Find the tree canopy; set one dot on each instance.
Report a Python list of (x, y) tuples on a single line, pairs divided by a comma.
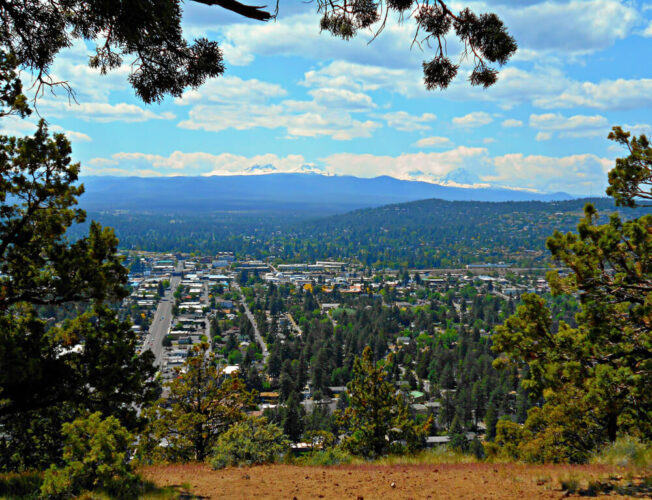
[(604, 364), (148, 36)]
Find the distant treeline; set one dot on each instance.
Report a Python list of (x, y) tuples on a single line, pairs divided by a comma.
[(427, 233)]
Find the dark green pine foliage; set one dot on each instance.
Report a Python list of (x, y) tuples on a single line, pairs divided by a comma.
[(377, 418), (595, 374), (49, 375)]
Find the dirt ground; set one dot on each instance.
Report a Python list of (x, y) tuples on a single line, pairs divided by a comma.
[(447, 481)]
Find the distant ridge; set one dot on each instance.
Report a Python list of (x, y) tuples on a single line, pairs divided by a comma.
[(312, 193)]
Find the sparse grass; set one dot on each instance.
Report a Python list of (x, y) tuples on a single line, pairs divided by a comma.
[(625, 452), (20, 485), (434, 456), (569, 484), (331, 456)]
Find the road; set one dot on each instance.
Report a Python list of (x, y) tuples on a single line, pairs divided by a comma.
[(294, 325), (162, 317), (252, 320)]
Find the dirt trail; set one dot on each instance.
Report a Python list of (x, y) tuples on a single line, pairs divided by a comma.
[(448, 481)]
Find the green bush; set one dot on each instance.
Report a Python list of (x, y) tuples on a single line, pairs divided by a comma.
[(24, 485), (330, 456), (625, 452), (96, 457), (252, 441)]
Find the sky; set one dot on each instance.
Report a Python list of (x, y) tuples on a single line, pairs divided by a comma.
[(293, 99)]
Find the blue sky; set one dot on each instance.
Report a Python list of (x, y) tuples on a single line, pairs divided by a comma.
[(295, 100)]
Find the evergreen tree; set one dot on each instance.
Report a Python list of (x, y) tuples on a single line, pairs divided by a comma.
[(293, 415), (52, 375), (606, 361), (376, 419), (202, 404)]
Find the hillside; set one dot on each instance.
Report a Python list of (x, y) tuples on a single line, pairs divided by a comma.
[(426, 233)]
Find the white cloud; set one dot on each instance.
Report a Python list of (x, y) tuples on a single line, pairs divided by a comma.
[(299, 35), (342, 98), (180, 163), (71, 134), (574, 174), (233, 103), (401, 120), (296, 117), (573, 126), (576, 26), (472, 120), (14, 126), (433, 142), (648, 31), (100, 111), (231, 89), (367, 77), (583, 173), (418, 166), (512, 123), (607, 94)]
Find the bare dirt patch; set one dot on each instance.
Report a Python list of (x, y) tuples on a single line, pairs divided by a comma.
[(446, 481)]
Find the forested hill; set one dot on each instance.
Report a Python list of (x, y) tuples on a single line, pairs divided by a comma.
[(428, 233), (437, 233)]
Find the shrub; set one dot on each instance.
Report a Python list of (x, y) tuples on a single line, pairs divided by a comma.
[(329, 456), (96, 457), (20, 485), (252, 441), (625, 452)]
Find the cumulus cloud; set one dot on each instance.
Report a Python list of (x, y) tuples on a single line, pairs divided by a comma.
[(434, 142), (583, 173), (648, 31), (230, 89), (101, 111), (14, 126), (576, 27), (233, 103), (573, 126), (575, 173), (608, 94), (512, 123), (472, 120), (199, 163), (401, 120)]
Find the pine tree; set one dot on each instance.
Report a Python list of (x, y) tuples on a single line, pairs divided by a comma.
[(202, 403), (377, 418)]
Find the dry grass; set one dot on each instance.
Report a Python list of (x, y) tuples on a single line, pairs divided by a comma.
[(419, 480)]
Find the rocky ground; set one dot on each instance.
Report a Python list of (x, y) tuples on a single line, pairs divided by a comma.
[(444, 481)]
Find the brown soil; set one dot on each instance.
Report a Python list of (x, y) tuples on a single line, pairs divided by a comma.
[(447, 481)]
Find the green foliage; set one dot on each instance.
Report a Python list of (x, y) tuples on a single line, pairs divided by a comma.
[(594, 377), (427, 233), (626, 451), (377, 418), (96, 456), (23, 485), (49, 375), (12, 99), (630, 182), (202, 404), (485, 34), (252, 441), (330, 456)]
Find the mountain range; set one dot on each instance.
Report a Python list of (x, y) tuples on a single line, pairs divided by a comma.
[(310, 193)]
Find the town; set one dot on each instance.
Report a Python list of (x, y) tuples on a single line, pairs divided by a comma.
[(291, 331)]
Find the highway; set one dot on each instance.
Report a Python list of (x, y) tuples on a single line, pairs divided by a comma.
[(162, 317), (252, 320)]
